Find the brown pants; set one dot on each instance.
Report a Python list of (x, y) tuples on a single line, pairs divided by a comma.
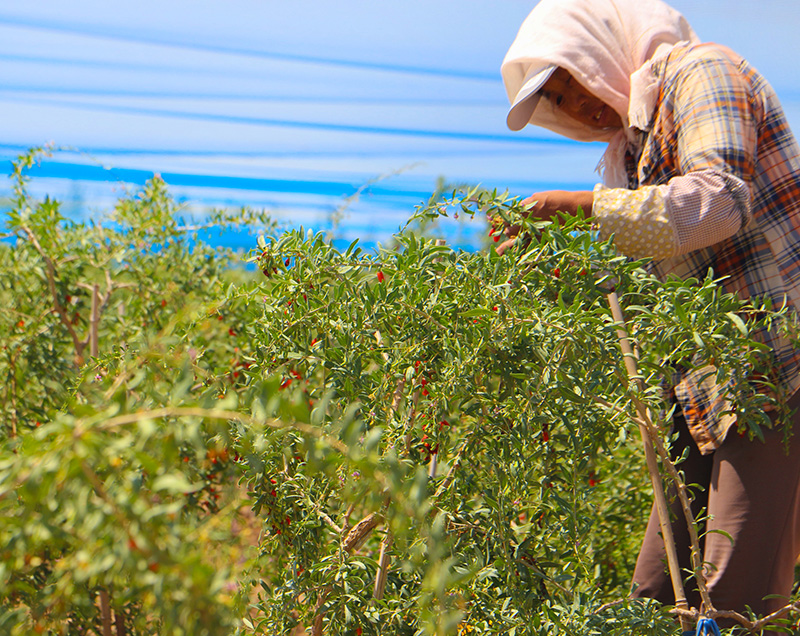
[(752, 492)]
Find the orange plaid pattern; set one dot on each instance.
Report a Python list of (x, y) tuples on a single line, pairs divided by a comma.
[(727, 166)]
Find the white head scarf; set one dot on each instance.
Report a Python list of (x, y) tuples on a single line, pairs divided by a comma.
[(608, 47)]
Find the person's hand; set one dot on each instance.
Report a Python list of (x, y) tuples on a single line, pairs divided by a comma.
[(543, 206)]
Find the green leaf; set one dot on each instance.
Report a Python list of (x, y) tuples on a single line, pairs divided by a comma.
[(738, 322), (175, 483)]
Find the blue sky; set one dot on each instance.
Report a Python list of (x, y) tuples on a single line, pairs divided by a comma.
[(293, 106)]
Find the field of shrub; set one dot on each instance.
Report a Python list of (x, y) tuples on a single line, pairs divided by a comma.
[(411, 440)]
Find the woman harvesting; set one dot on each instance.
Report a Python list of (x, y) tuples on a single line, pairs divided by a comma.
[(701, 173)]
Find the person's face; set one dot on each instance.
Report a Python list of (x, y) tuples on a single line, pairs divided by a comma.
[(569, 96)]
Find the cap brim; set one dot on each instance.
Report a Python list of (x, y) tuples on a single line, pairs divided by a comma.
[(527, 99)]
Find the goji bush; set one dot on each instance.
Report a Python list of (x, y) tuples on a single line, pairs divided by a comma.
[(410, 440)]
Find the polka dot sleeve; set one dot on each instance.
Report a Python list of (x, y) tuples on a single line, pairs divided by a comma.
[(689, 213), (637, 219)]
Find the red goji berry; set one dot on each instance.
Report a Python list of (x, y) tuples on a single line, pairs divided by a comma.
[(381, 277)]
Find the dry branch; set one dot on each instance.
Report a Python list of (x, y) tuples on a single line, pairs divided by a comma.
[(652, 465), (360, 532), (105, 612), (383, 565)]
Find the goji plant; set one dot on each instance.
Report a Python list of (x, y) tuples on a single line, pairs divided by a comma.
[(411, 440)]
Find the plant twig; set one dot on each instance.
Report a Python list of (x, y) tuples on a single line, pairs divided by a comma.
[(383, 565), (119, 623), (329, 521), (51, 285), (347, 514), (360, 532), (12, 367), (94, 322), (211, 414), (316, 627), (105, 612), (652, 465)]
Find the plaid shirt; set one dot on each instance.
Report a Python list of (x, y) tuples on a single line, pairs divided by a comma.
[(717, 185)]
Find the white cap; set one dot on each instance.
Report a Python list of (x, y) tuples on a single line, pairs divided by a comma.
[(527, 97)]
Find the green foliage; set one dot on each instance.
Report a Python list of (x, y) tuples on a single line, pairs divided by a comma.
[(413, 441)]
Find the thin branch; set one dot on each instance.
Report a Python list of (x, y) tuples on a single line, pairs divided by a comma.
[(119, 622), (360, 533), (105, 612), (316, 628), (212, 414), (97, 485), (383, 565), (609, 605), (652, 465), (94, 322), (12, 364), (347, 514), (451, 473), (329, 521), (753, 626), (51, 284)]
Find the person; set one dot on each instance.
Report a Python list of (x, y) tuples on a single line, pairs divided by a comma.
[(701, 172)]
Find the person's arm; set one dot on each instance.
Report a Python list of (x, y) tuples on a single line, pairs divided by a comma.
[(711, 201), (546, 205), (714, 122), (689, 213)]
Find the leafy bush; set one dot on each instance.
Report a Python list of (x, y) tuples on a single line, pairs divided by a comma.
[(412, 441)]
